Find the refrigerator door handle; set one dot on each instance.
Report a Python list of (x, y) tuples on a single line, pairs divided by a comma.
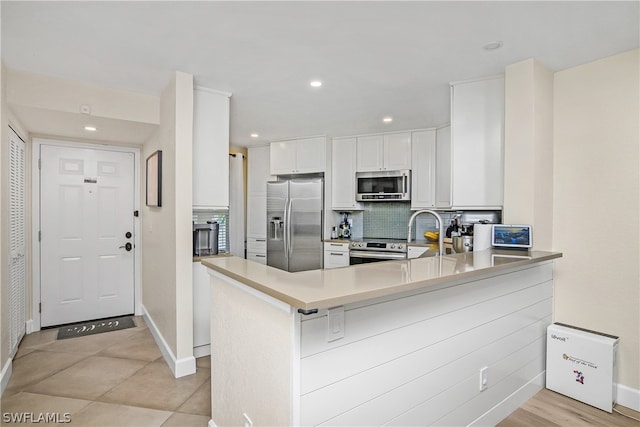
[(289, 229), (285, 226)]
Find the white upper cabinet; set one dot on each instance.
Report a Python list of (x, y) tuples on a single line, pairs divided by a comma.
[(258, 175), (384, 152), (423, 169), (443, 167), (370, 153), (477, 143), (308, 155), (397, 151), (210, 149), (343, 183)]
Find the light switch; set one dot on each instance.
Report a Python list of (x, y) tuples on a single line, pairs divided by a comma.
[(335, 323)]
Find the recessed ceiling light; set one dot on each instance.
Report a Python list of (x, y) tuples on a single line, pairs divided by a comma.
[(387, 119), (316, 83), (90, 128), (493, 45), (254, 135)]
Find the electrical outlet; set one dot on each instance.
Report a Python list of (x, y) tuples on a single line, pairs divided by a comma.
[(335, 323), (247, 421), (484, 378)]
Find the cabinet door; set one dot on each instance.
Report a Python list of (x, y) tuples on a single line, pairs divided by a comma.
[(311, 155), (258, 175), (258, 169), (343, 181), (477, 122), (423, 169), (443, 167), (282, 157), (257, 215), (397, 151), (370, 153), (210, 149)]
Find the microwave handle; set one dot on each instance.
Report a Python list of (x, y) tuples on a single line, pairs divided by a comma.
[(404, 184)]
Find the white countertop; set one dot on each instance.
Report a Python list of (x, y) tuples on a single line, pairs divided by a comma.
[(318, 289)]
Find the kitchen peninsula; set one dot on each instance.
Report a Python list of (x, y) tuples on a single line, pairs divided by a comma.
[(397, 342)]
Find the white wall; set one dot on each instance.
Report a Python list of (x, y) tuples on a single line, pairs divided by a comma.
[(596, 202), (166, 230)]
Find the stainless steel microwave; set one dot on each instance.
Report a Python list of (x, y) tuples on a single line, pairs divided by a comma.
[(383, 186)]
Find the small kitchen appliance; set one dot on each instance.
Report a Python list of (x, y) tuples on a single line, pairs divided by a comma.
[(205, 238), (462, 243)]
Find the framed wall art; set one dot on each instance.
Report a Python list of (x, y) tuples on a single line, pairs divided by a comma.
[(154, 179)]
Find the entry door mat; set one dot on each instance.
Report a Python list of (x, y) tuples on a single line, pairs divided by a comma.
[(95, 327)]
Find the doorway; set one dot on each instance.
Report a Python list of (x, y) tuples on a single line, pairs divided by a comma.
[(17, 240), (87, 232)]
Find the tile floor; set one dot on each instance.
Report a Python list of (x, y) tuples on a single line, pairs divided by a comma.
[(116, 378)]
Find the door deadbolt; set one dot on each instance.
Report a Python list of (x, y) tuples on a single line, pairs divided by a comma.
[(128, 235)]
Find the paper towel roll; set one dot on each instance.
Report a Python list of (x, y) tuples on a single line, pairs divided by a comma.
[(481, 236)]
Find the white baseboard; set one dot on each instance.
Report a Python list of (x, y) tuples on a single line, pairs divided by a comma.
[(211, 424), (201, 351), (5, 375), (503, 409), (31, 327), (628, 397), (179, 367)]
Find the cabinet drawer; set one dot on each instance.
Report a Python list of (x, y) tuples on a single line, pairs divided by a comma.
[(256, 244), (336, 247), (335, 259), (257, 257)]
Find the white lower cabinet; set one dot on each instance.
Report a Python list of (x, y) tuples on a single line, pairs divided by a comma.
[(201, 311), (336, 255), (257, 250)]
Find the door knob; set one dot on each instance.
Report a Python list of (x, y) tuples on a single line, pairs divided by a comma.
[(128, 246), (128, 235)]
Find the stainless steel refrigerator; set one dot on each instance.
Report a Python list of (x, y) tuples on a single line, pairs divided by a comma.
[(294, 224)]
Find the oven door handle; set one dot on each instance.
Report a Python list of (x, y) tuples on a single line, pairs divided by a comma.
[(377, 255)]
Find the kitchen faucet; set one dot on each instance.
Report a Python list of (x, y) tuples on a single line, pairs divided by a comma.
[(440, 225)]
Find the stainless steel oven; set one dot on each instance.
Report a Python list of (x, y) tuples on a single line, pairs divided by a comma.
[(375, 250)]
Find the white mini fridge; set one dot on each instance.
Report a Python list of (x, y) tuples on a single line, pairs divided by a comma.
[(581, 364)]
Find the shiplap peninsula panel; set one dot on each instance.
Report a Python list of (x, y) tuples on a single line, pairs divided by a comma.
[(385, 372), (412, 357)]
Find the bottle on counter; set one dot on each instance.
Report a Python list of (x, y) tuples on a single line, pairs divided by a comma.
[(334, 232)]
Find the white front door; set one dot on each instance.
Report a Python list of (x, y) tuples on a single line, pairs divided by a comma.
[(87, 253)]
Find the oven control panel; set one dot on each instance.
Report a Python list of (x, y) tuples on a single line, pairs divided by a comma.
[(378, 246)]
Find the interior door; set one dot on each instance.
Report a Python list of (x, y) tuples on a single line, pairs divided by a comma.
[(87, 253), (17, 241)]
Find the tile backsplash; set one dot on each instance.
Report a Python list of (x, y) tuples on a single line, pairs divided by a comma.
[(390, 219), (385, 220)]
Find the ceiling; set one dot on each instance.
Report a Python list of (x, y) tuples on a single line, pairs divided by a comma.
[(375, 59)]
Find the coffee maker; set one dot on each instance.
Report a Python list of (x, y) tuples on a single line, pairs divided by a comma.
[(205, 238)]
